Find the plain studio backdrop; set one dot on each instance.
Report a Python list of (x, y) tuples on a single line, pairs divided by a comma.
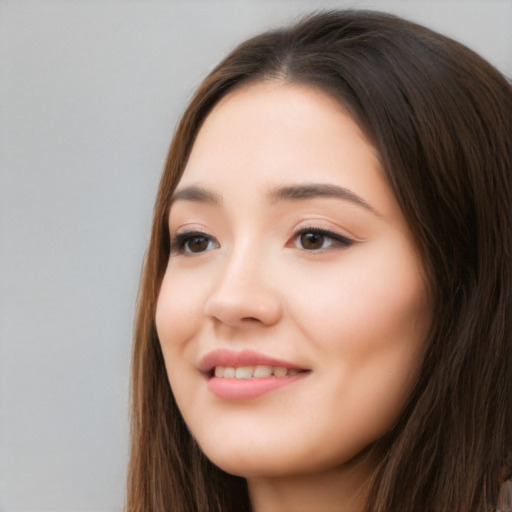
[(90, 92)]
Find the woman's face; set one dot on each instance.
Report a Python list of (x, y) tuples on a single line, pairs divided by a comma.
[(293, 311)]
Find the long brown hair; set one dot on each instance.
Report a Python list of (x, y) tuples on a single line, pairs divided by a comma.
[(441, 120)]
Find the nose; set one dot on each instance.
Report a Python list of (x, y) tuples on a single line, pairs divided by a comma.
[(243, 294)]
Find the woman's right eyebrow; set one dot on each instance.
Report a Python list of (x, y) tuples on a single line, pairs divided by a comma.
[(196, 193)]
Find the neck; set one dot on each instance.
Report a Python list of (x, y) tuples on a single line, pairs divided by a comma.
[(342, 489)]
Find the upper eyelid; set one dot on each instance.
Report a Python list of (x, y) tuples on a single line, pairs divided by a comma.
[(186, 228), (337, 237), (189, 231), (180, 235), (319, 225), (325, 231)]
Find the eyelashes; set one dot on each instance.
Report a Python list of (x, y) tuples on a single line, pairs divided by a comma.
[(310, 239), (192, 242), (316, 239)]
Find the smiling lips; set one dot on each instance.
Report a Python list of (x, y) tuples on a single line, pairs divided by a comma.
[(247, 374)]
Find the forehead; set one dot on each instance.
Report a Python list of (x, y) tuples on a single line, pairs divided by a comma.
[(271, 134)]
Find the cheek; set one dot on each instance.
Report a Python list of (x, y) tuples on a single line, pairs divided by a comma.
[(372, 300), (176, 317), (368, 319), (178, 305)]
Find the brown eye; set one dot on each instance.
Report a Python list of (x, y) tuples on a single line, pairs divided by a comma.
[(197, 243), (312, 240), (193, 243)]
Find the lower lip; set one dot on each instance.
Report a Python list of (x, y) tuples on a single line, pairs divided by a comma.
[(240, 389)]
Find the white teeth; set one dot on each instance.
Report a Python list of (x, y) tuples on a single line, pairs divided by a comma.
[(280, 372), (257, 372), (229, 372), (243, 372), (262, 371)]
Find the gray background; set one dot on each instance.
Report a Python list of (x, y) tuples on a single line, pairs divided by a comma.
[(90, 92)]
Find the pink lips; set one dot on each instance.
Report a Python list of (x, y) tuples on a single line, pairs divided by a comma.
[(235, 389)]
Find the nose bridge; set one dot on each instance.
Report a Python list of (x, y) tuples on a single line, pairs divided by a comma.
[(243, 263), (242, 290)]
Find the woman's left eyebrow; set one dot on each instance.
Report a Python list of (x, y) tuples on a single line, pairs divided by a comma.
[(312, 190)]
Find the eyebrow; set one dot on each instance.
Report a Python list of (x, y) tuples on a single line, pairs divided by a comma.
[(312, 190), (300, 192), (196, 194)]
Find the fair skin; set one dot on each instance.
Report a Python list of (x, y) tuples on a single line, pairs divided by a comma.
[(290, 252)]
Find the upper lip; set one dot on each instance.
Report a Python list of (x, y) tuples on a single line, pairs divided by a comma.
[(225, 357)]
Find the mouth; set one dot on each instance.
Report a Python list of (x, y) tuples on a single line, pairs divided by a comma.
[(253, 372), (247, 374)]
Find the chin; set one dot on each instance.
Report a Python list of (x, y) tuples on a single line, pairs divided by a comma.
[(270, 461), (262, 468), (245, 461)]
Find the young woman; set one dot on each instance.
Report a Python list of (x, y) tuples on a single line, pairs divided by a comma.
[(324, 317)]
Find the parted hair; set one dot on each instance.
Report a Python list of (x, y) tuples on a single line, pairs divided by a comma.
[(440, 118)]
